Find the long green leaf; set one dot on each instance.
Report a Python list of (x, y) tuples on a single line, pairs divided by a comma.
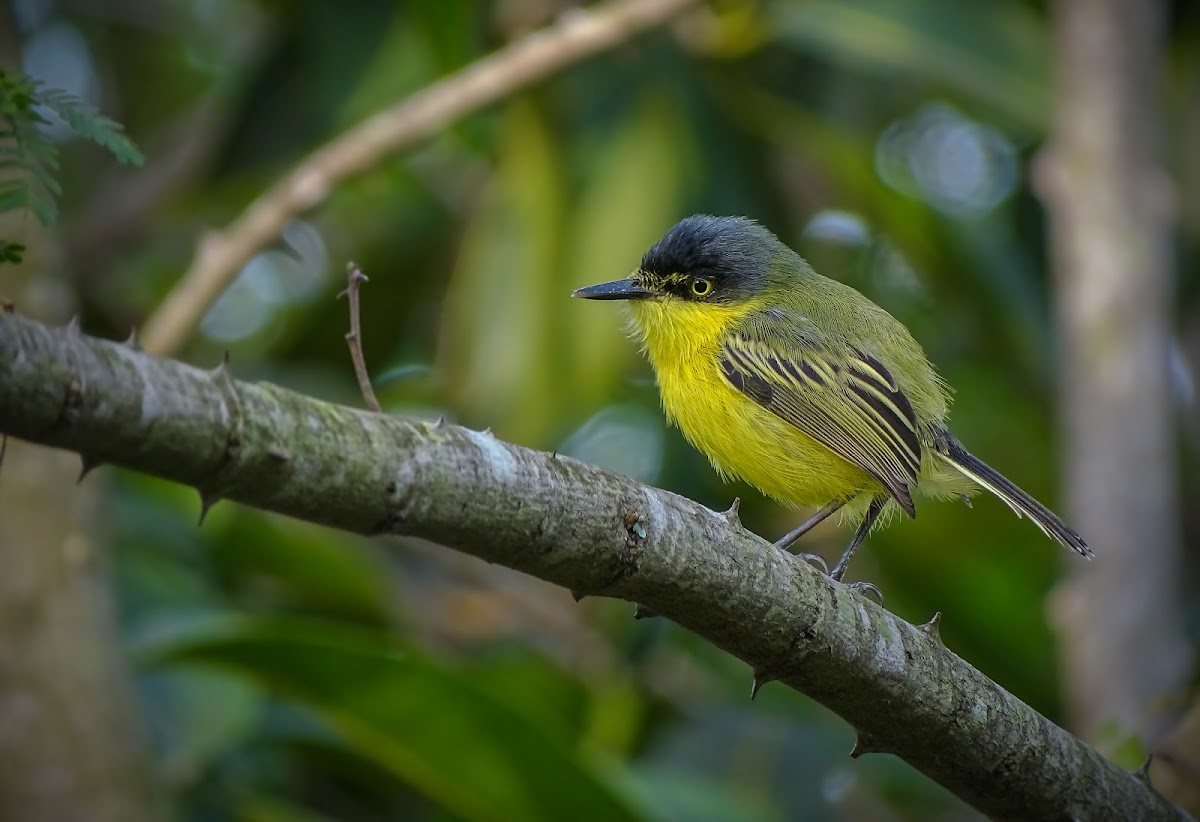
[(435, 729)]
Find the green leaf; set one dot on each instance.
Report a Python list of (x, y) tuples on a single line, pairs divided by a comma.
[(209, 715), (42, 174), (14, 194), (11, 252), (87, 122), (440, 731), (32, 185), (303, 567), (30, 159)]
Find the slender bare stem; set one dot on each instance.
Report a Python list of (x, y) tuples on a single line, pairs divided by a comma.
[(354, 280)]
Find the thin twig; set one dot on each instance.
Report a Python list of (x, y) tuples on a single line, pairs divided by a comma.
[(354, 279), (221, 254)]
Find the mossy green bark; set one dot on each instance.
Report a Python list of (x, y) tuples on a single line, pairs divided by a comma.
[(588, 530)]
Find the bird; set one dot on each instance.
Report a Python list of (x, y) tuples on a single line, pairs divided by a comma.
[(799, 384)]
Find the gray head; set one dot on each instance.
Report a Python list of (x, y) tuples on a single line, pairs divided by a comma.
[(702, 258)]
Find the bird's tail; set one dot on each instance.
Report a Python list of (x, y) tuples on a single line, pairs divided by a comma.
[(988, 477)]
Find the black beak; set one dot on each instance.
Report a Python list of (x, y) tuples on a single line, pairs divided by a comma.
[(625, 289)]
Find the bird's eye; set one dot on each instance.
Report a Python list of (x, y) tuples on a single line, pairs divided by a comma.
[(702, 288)]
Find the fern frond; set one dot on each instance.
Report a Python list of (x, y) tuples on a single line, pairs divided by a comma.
[(29, 161), (86, 121), (14, 194), (34, 159)]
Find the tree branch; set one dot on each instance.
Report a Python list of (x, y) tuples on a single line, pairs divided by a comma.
[(573, 524), (578, 35)]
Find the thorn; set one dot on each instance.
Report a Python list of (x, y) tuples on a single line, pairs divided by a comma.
[(966, 500), (206, 504), (132, 340), (74, 327), (760, 679), (1142, 774), (731, 516), (554, 454), (220, 373), (441, 421), (863, 744), (86, 467), (487, 432), (642, 612), (932, 628), (577, 595)]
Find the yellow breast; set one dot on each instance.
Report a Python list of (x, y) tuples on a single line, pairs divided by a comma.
[(740, 437)]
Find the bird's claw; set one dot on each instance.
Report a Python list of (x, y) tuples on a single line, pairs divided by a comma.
[(836, 575), (816, 560), (866, 588)]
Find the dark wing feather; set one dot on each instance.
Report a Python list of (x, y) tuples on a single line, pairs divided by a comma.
[(849, 403)]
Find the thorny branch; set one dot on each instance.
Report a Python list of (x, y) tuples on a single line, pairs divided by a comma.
[(577, 35), (577, 526)]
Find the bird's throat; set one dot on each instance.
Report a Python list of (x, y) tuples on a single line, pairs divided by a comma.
[(675, 332)]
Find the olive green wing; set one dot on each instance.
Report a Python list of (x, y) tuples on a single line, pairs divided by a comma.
[(848, 402)]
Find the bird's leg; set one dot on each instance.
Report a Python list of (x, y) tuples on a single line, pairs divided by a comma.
[(873, 513), (785, 542)]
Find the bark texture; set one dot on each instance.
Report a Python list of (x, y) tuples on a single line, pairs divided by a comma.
[(1119, 618), (575, 525)]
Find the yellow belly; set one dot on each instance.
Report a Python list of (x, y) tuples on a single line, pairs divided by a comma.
[(740, 437), (746, 441)]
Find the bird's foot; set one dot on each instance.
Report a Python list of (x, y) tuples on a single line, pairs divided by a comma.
[(836, 576), (815, 559), (862, 587), (865, 588)]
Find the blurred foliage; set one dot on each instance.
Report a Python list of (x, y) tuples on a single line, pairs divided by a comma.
[(293, 673), (29, 160)]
